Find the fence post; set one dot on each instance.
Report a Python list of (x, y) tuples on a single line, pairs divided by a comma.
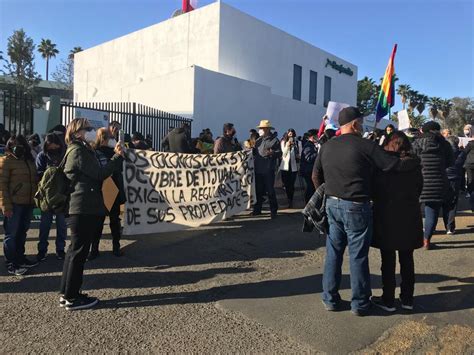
[(134, 118)]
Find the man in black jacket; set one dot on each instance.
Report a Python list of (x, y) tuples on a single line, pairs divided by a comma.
[(179, 140), (436, 156)]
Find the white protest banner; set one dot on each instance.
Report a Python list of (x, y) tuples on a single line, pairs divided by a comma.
[(333, 112), (97, 119), (463, 141), (173, 191), (403, 120)]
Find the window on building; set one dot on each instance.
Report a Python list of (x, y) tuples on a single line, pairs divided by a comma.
[(327, 90), (297, 73), (313, 86)]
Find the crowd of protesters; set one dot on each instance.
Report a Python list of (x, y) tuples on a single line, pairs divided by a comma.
[(371, 182)]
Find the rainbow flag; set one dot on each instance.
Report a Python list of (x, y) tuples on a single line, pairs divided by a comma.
[(387, 91)]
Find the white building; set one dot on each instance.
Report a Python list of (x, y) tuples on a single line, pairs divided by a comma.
[(215, 65)]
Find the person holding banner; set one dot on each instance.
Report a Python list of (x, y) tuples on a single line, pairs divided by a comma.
[(227, 143), (86, 207), (266, 152)]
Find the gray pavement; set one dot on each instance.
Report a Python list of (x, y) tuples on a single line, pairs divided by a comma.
[(246, 285)]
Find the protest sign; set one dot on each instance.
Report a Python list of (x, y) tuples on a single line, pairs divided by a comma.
[(109, 192), (463, 141), (97, 119), (333, 112), (403, 120), (173, 191)]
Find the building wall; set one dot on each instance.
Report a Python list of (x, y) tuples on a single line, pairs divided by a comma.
[(222, 98), (253, 50), (148, 54)]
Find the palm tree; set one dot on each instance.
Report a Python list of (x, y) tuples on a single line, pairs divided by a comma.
[(421, 103), (402, 91), (434, 103), (445, 108), (74, 51), (47, 50), (412, 99)]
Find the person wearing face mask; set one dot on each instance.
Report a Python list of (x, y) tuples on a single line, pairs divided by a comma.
[(468, 131), (227, 143), (104, 147), (346, 165), (51, 155), (86, 207), (18, 185), (266, 152), (291, 155)]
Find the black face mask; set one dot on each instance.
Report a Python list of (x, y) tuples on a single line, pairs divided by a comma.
[(55, 151), (18, 151)]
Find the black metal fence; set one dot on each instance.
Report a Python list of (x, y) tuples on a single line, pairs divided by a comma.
[(132, 116), (17, 112)]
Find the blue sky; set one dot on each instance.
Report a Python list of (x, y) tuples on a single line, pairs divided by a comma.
[(435, 38)]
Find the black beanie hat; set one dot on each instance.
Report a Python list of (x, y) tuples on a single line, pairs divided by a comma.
[(348, 115), (431, 126)]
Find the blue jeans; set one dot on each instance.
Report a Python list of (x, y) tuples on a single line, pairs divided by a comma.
[(431, 218), (45, 227), (16, 228), (350, 224)]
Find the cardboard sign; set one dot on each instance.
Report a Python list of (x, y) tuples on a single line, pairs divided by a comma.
[(173, 191), (109, 192)]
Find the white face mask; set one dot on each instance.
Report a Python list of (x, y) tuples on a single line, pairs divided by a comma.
[(261, 132), (112, 143), (90, 136)]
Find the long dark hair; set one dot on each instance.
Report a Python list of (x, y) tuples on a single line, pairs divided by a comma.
[(285, 135), (398, 142), (51, 138), (19, 140)]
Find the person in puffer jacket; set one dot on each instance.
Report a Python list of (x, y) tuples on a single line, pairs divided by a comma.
[(436, 156), (18, 185)]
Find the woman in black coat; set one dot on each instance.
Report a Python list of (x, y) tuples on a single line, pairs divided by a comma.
[(398, 224)]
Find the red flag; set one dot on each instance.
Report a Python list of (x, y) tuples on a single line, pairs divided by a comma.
[(322, 127), (189, 5)]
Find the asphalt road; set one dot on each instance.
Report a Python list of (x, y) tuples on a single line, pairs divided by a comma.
[(247, 285)]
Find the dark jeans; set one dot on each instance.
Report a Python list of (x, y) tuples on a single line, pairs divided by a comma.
[(45, 227), (350, 224), (289, 178), (16, 228), (265, 183), (83, 228), (450, 208), (114, 218), (431, 218), (470, 186), (407, 273), (309, 187)]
